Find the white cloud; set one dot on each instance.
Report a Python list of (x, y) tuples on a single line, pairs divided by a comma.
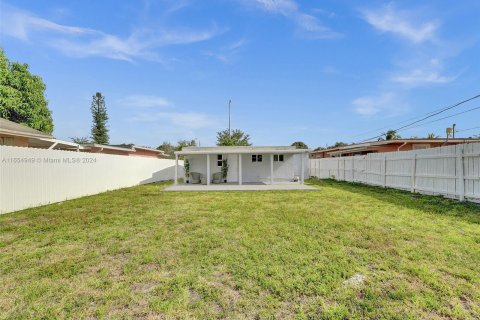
[(424, 74), (401, 23), (226, 53), (137, 100), (387, 104), (84, 42), (419, 77), (308, 25)]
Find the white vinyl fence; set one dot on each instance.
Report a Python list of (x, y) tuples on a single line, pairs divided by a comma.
[(31, 177), (451, 171)]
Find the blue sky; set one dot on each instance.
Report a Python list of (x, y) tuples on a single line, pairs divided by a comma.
[(316, 71)]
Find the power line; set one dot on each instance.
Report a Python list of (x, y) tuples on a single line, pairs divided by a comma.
[(439, 119), (404, 121), (429, 115), (468, 129)]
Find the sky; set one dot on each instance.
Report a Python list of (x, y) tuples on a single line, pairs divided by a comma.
[(312, 71)]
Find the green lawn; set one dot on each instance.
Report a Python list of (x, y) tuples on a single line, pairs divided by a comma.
[(346, 251)]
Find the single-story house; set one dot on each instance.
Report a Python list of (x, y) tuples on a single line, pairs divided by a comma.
[(122, 149), (387, 146), (19, 135), (246, 164)]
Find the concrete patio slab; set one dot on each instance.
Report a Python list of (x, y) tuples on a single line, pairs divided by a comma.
[(236, 187)]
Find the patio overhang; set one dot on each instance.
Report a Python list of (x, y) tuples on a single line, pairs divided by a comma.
[(239, 151)]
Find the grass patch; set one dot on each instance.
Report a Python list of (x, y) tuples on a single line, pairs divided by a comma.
[(346, 251)]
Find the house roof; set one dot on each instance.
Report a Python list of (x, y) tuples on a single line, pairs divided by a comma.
[(17, 129), (240, 149), (105, 146), (135, 147), (363, 146)]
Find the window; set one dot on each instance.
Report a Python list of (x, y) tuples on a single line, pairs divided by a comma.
[(6, 141), (256, 158), (278, 157), (219, 160)]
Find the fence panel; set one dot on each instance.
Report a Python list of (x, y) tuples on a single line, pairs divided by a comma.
[(31, 177), (452, 171)]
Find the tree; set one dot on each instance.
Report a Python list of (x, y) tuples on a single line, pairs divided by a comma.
[(235, 138), (185, 143), (335, 145), (100, 118), (166, 147), (392, 135), (299, 145), (22, 96), (80, 140), (432, 136)]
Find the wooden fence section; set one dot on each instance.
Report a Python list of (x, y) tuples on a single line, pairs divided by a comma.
[(451, 171), (32, 177)]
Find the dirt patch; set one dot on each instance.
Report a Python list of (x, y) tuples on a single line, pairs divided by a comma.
[(224, 282), (356, 280), (194, 296), (143, 287)]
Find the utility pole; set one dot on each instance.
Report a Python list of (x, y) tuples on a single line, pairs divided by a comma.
[(229, 108), (453, 131)]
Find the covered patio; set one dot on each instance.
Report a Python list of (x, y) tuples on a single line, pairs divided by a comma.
[(254, 167), (239, 187)]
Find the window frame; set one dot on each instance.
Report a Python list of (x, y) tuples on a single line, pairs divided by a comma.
[(257, 158)]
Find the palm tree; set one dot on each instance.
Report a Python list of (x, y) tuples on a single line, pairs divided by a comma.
[(391, 135), (432, 136)]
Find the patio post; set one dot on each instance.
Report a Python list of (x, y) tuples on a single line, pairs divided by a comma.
[(240, 168), (271, 168), (302, 176), (176, 169), (208, 169)]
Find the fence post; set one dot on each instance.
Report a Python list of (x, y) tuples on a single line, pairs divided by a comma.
[(414, 167), (384, 170), (460, 173), (353, 168), (338, 169)]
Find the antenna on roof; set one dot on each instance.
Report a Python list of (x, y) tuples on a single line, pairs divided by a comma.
[(229, 108)]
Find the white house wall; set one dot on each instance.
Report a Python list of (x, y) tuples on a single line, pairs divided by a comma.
[(252, 171)]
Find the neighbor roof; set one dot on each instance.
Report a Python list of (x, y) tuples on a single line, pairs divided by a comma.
[(240, 149), (17, 129), (365, 145)]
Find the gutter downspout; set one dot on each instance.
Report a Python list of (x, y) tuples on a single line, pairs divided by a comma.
[(53, 146), (403, 144)]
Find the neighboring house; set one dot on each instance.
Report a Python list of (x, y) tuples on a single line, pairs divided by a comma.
[(123, 149), (387, 146), (19, 135), (247, 164)]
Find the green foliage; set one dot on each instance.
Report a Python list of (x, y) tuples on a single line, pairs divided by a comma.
[(22, 96), (169, 148), (142, 252), (80, 140), (335, 145), (99, 119), (186, 167), (166, 147), (300, 145), (392, 135), (225, 167), (185, 143), (235, 138), (432, 136)]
